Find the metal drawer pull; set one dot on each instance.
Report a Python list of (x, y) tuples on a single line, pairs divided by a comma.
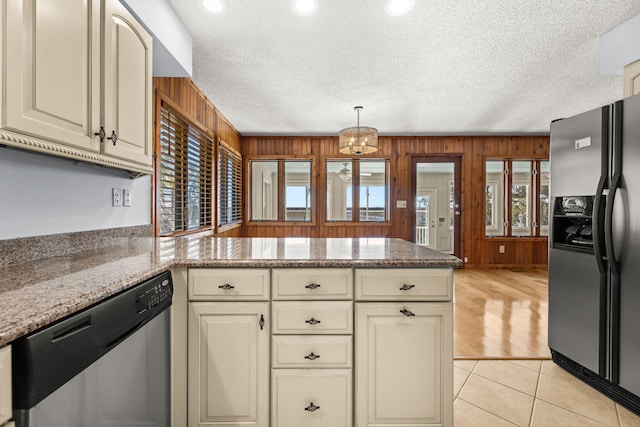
[(226, 287), (312, 321), (261, 322), (311, 407), (313, 286), (406, 312), (312, 356), (406, 287)]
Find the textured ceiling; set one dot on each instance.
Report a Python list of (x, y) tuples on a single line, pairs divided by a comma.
[(447, 67)]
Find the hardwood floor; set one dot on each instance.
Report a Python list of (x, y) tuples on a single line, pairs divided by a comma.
[(500, 314)]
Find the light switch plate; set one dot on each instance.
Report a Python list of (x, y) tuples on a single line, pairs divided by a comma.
[(126, 197), (401, 204), (116, 197)]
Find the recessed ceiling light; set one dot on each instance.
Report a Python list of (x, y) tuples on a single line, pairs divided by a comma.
[(305, 7), (215, 6), (399, 7)]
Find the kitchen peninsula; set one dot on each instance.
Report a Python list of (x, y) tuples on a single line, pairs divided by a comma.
[(373, 310)]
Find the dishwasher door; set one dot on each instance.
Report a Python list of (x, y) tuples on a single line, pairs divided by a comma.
[(128, 385)]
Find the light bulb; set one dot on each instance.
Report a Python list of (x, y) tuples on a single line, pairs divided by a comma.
[(215, 6), (305, 7), (399, 7)]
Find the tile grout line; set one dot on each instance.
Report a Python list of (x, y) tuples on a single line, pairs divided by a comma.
[(535, 395), (488, 412)]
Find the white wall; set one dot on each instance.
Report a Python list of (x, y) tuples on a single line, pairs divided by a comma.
[(42, 195)]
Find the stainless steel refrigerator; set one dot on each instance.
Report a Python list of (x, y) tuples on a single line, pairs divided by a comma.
[(594, 249)]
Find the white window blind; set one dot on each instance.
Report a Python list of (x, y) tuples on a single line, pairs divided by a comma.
[(229, 186), (186, 176)]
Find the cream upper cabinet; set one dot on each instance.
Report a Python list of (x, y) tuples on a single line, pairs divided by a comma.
[(72, 68), (228, 364), (52, 69), (127, 86), (404, 364)]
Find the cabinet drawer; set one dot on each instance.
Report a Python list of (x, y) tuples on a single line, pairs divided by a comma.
[(312, 283), (312, 317), (412, 284), (311, 351), (5, 384), (228, 284), (311, 397)]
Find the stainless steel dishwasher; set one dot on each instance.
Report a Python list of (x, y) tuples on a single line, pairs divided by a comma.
[(108, 365)]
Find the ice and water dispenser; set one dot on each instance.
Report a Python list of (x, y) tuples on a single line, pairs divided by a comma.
[(572, 223)]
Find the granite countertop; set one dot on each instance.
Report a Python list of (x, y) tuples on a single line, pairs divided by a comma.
[(36, 293)]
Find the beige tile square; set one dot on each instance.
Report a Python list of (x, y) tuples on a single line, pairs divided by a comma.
[(509, 374), (627, 418), (459, 378), (550, 368), (534, 365), (467, 365), (548, 415), (505, 402), (468, 415), (565, 391)]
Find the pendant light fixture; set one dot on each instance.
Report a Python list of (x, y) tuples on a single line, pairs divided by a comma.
[(358, 140)]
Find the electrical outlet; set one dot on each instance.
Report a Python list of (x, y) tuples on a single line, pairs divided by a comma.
[(501, 249), (126, 197), (116, 197)]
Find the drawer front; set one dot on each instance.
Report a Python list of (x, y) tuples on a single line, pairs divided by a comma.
[(228, 284), (5, 384), (312, 283), (412, 284), (311, 397), (312, 317), (311, 351)]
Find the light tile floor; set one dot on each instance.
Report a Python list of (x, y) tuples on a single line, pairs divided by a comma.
[(529, 393)]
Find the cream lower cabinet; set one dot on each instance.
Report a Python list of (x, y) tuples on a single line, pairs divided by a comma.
[(5, 386), (403, 349), (311, 379), (276, 347), (228, 348)]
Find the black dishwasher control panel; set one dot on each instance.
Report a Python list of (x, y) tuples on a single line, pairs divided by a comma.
[(153, 295)]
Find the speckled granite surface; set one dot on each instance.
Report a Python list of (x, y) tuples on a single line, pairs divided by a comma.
[(36, 293)]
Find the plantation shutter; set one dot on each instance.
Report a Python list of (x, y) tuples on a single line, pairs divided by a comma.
[(229, 186), (186, 176)]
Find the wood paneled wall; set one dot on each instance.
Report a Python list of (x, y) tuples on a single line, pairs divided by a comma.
[(473, 151), (186, 97)]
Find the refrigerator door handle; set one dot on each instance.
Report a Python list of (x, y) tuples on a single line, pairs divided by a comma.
[(599, 202), (615, 185)]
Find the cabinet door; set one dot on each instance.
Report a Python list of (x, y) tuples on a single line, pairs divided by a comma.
[(228, 372), (127, 99), (52, 63), (404, 364), (5, 384), (311, 397)]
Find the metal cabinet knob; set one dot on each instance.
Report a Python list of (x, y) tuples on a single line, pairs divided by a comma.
[(226, 287), (312, 321), (407, 287), (113, 137), (313, 286), (312, 356), (407, 312), (311, 407)]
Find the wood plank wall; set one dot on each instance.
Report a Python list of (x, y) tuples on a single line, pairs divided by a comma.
[(473, 151), (475, 247), (187, 98)]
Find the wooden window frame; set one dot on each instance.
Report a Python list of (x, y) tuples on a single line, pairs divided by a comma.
[(355, 194), (280, 221), (534, 197), (236, 187), (207, 206)]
